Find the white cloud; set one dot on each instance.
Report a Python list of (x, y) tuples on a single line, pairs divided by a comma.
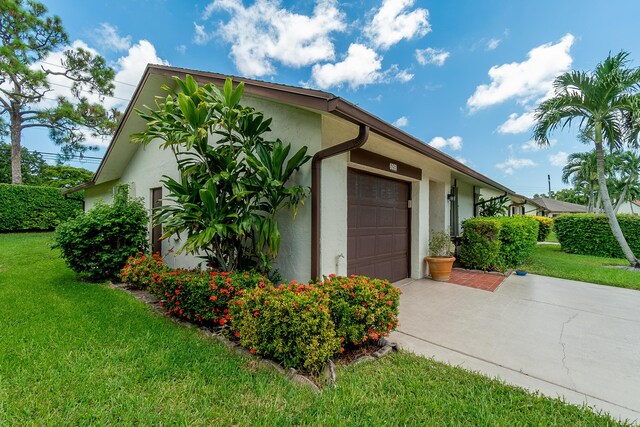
[(510, 165), (182, 49), (401, 122), (462, 160), (393, 22), (518, 123), (361, 66), (525, 81), (433, 56), (493, 44), (108, 38), (534, 146), (264, 32), (404, 76), (559, 158), (454, 143), (200, 35), (129, 68)]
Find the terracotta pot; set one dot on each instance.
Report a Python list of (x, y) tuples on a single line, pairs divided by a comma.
[(440, 267)]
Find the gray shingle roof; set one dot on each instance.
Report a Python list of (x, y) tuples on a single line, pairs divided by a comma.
[(557, 206)]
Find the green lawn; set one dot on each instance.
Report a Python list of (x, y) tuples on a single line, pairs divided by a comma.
[(552, 237), (78, 353), (549, 260)]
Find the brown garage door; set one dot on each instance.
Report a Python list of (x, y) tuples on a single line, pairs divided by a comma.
[(378, 226)]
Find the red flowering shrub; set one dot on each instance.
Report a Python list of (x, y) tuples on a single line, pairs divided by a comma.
[(290, 323), (139, 270), (361, 308)]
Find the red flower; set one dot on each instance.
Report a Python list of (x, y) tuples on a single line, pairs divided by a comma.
[(252, 351), (213, 297), (237, 334)]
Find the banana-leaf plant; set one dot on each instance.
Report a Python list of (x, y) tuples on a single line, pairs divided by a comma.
[(233, 178)]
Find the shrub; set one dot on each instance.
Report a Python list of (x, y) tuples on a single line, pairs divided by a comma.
[(518, 237), (497, 243), (590, 234), (139, 270), (25, 208), (290, 323), (544, 227), (202, 296), (480, 245), (361, 308), (98, 243)]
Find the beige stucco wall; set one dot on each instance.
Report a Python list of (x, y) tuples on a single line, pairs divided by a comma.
[(465, 202), (629, 208)]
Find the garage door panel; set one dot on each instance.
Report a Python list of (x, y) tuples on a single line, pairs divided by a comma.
[(378, 226)]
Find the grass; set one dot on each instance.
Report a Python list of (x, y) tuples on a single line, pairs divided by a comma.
[(552, 237), (549, 260), (79, 353)]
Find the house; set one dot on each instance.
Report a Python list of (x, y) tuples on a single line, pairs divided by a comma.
[(552, 208), (377, 192), (631, 207)]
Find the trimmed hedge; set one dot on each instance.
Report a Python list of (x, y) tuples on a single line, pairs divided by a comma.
[(590, 234), (497, 243), (29, 208), (544, 226)]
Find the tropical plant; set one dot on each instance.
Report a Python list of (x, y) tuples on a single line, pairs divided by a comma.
[(233, 180), (493, 207), (629, 181), (29, 35), (606, 104)]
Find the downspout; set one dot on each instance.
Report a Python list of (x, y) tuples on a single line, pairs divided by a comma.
[(316, 174)]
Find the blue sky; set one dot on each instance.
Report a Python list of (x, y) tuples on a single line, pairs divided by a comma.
[(460, 75)]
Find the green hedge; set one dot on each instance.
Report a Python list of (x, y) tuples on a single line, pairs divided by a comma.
[(497, 243), (590, 234), (545, 225), (25, 208)]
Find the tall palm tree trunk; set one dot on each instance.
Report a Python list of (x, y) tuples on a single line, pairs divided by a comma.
[(606, 200)]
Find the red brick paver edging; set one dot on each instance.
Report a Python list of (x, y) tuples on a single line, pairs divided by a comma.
[(477, 279)]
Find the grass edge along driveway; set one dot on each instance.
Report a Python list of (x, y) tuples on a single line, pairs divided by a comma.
[(550, 260), (80, 353)]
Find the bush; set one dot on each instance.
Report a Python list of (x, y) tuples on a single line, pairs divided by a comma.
[(544, 227), (590, 234), (361, 308), (497, 243), (26, 208), (518, 237), (140, 270), (290, 323), (98, 243), (480, 245), (203, 296)]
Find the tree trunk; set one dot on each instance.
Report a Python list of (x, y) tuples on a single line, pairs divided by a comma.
[(623, 196), (16, 155), (604, 195)]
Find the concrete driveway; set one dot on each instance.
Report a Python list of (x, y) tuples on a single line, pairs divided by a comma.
[(560, 337)]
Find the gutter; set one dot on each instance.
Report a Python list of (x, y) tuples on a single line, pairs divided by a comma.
[(316, 184), (78, 188)]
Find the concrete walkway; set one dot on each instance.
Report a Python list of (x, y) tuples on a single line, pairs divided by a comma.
[(560, 337)]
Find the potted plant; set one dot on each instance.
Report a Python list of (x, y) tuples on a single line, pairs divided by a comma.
[(440, 259)]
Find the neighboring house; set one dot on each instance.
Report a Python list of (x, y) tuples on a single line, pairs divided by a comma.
[(552, 208), (377, 191), (631, 207), (522, 205)]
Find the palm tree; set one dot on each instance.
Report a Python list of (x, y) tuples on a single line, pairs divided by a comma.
[(606, 104), (581, 171), (629, 176)]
